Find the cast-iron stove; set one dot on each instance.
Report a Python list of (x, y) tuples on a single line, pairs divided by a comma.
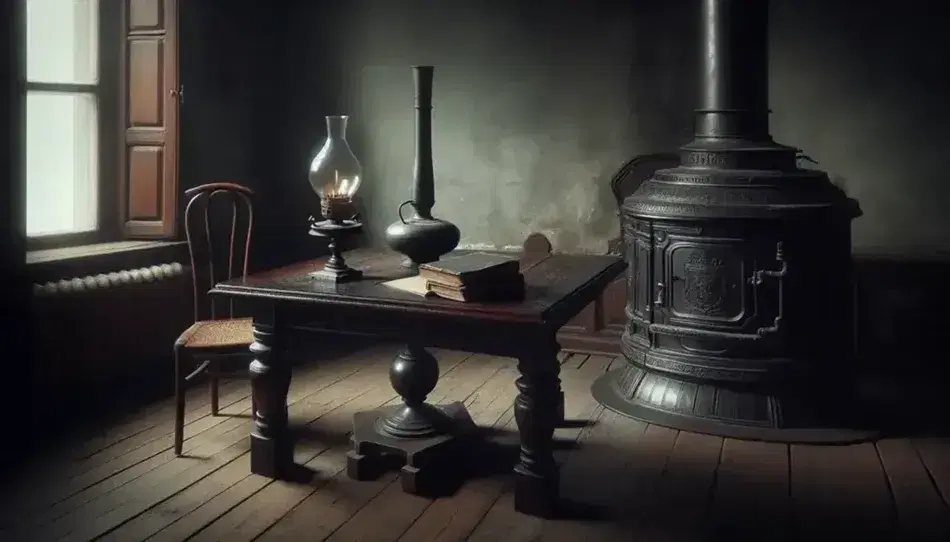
[(739, 300)]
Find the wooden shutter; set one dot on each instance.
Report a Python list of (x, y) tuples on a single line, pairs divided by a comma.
[(148, 193)]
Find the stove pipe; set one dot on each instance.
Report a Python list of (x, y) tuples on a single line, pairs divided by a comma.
[(735, 64), (739, 268)]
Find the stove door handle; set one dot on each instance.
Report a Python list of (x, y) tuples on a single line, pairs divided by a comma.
[(660, 295), (758, 276)]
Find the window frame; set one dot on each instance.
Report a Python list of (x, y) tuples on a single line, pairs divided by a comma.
[(105, 230), (111, 94)]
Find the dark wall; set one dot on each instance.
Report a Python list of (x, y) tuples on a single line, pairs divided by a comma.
[(14, 329), (230, 116), (538, 103), (862, 90), (255, 97)]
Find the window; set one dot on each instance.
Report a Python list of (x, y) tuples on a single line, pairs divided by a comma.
[(62, 117), (101, 120)]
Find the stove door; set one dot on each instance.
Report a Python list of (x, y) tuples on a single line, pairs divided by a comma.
[(706, 283), (640, 255), (717, 289)]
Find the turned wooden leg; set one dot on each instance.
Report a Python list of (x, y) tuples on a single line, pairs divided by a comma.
[(413, 375), (538, 409), (271, 447)]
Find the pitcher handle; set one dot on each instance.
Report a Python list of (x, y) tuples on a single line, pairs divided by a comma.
[(401, 206)]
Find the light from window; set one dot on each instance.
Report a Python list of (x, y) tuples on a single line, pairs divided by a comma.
[(62, 72)]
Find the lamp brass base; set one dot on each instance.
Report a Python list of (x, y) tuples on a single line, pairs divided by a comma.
[(346, 274), (335, 270)]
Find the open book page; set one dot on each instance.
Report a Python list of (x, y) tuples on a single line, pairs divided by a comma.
[(413, 285)]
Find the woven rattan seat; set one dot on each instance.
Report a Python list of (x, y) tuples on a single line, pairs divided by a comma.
[(218, 334)]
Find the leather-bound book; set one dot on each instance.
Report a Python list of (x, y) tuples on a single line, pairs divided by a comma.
[(511, 289), (472, 268)]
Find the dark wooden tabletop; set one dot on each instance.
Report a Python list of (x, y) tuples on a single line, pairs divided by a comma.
[(555, 285)]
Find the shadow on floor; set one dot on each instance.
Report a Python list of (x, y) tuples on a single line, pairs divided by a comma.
[(62, 420)]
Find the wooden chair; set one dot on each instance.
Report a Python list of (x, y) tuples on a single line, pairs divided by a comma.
[(216, 333), (638, 170)]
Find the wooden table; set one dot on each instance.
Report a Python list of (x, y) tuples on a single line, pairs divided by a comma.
[(558, 287)]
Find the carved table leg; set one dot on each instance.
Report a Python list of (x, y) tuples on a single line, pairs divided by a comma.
[(271, 445), (538, 410), (427, 436)]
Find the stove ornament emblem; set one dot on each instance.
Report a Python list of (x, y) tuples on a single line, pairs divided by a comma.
[(705, 289)]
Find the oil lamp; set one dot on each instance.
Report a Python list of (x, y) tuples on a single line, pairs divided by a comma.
[(335, 175)]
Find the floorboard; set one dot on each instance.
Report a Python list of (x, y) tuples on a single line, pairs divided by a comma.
[(840, 489), (921, 512), (626, 480), (751, 495)]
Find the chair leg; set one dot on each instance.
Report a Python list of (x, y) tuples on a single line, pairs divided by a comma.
[(213, 372), (180, 385)]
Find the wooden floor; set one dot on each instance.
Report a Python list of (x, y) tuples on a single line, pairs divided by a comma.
[(650, 483)]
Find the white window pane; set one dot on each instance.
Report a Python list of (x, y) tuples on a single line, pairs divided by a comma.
[(62, 41), (61, 163)]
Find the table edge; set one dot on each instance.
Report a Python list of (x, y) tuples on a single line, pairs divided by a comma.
[(544, 318)]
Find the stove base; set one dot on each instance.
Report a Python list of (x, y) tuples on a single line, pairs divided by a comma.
[(715, 409)]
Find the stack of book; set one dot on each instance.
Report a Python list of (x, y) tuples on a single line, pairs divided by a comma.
[(475, 277)]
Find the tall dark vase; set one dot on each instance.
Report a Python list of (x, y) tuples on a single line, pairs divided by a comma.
[(419, 236)]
